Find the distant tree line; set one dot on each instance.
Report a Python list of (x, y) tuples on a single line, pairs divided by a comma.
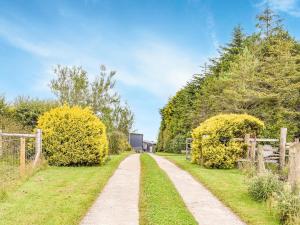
[(257, 74), (72, 87)]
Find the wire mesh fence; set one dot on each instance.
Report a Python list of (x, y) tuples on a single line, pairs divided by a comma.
[(19, 154)]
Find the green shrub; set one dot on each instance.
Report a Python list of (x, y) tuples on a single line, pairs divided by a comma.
[(10, 125), (212, 141), (27, 110), (262, 187), (248, 169), (3, 194), (73, 136), (288, 206), (118, 142), (177, 144)]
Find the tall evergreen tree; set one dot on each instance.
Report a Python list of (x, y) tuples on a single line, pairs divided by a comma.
[(257, 74), (229, 52), (268, 23)]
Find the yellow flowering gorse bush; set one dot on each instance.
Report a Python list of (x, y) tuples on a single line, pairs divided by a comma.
[(73, 136), (212, 141)]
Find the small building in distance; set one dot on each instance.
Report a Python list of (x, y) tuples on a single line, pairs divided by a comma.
[(136, 141), (149, 146)]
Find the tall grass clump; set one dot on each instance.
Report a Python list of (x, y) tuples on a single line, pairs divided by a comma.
[(262, 187), (288, 207)]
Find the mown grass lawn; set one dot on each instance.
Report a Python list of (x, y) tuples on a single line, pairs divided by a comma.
[(56, 195), (160, 203), (231, 188)]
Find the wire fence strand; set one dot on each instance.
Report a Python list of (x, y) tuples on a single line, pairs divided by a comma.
[(10, 161)]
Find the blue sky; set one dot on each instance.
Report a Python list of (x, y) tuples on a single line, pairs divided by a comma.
[(155, 45)]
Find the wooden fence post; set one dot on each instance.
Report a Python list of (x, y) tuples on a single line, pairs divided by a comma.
[(247, 142), (260, 160), (188, 143), (38, 146), (282, 149), (1, 146), (253, 150), (22, 157), (294, 167)]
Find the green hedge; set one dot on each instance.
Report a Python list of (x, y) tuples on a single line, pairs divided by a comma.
[(118, 142)]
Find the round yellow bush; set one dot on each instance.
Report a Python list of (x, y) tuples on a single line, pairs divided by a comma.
[(212, 144), (73, 136)]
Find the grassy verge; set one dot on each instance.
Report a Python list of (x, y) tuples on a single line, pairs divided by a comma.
[(56, 195), (9, 174), (160, 203), (230, 187)]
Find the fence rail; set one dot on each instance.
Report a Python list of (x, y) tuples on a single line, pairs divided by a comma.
[(19, 154), (261, 150), (257, 139), (278, 154), (18, 135)]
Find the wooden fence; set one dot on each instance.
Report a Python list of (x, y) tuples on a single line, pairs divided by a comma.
[(188, 148), (17, 142), (294, 167), (273, 150), (268, 150), (262, 150)]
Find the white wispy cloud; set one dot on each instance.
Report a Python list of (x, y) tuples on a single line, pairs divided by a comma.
[(13, 35), (287, 6), (159, 67), (150, 63), (210, 20), (211, 28)]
